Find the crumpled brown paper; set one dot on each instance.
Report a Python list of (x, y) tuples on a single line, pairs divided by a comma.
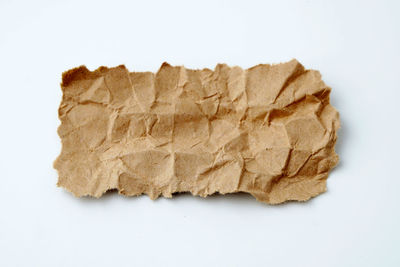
[(268, 131)]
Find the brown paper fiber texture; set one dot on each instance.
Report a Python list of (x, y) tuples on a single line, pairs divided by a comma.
[(269, 131)]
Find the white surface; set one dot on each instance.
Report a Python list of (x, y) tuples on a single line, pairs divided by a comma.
[(355, 45)]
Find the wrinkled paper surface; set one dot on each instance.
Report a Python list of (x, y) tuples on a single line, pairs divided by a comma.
[(268, 130)]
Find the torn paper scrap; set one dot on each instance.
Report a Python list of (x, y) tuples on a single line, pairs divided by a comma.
[(269, 131)]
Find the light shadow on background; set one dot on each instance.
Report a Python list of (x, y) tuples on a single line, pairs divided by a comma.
[(234, 199)]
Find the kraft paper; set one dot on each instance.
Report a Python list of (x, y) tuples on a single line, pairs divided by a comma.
[(269, 131)]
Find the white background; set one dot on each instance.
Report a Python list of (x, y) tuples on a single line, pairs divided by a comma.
[(355, 45)]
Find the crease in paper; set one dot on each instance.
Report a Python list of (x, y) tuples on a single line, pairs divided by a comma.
[(269, 131)]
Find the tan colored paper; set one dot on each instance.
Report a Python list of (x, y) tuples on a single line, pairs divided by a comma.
[(268, 131)]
